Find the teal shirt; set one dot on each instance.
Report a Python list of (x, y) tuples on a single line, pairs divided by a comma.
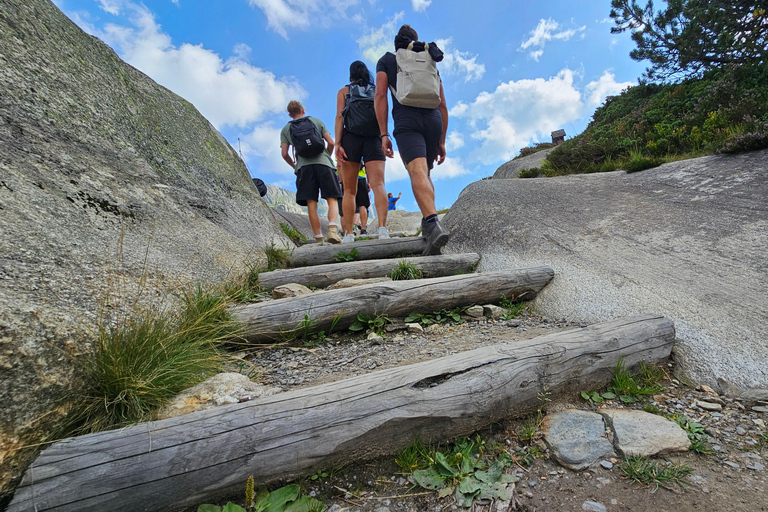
[(323, 158)]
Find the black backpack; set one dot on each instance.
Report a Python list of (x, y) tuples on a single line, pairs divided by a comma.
[(262, 188), (359, 112), (306, 138)]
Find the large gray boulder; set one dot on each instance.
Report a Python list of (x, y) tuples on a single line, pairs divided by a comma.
[(401, 221), (687, 240), (105, 178), (512, 168)]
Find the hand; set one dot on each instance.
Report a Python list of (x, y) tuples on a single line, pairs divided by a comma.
[(386, 146), (441, 153), (341, 155)]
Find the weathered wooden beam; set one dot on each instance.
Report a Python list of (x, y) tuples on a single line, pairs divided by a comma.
[(321, 276), (180, 462), (321, 254), (272, 320)]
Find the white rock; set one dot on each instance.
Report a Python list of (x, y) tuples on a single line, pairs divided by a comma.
[(709, 406), (493, 311), (475, 311), (593, 506), (414, 328)]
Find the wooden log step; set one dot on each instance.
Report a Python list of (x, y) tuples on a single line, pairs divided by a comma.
[(183, 461), (325, 275), (322, 254), (271, 320)]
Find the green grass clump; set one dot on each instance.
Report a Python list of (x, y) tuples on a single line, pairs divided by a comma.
[(514, 309), (697, 435), (142, 359), (648, 472), (529, 173), (293, 234), (404, 271), (415, 456), (276, 257)]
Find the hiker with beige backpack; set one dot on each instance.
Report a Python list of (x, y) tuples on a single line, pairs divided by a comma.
[(420, 115)]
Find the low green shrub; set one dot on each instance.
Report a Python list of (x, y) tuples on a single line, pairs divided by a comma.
[(293, 234), (405, 270)]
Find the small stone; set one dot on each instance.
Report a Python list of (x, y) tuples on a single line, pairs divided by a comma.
[(495, 312), (741, 431), (732, 465), (475, 311), (532, 483), (401, 481), (414, 328), (290, 290), (513, 323), (594, 506), (614, 501), (709, 406), (375, 339), (707, 389), (335, 508), (529, 495), (705, 490), (760, 423), (604, 481), (760, 408), (756, 467), (382, 509), (434, 328), (606, 464)]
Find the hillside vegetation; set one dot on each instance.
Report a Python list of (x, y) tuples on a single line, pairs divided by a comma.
[(724, 111)]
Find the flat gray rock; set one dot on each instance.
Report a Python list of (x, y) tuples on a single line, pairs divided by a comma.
[(577, 438), (642, 434), (512, 168), (686, 240)]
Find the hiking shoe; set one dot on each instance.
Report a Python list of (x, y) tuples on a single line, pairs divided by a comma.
[(436, 236), (333, 235), (423, 228), (363, 231), (319, 239), (348, 239), (383, 233)]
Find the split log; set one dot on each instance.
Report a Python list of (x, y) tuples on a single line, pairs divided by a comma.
[(325, 275), (266, 321), (183, 461), (317, 254)]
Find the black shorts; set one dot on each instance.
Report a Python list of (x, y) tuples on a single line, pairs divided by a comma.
[(418, 133), (313, 178), (362, 198), (361, 148)]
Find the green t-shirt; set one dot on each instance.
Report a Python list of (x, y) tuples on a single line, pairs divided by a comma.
[(323, 158)]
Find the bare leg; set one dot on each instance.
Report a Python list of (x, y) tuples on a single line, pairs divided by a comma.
[(349, 171), (364, 217), (333, 211), (375, 172), (423, 188), (314, 220)]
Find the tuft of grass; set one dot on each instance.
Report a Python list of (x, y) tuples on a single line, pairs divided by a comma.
[(415, 456), (276, 257), (651, 408), (647, 472), (513, 308), (404, 271), (697, 435), (630, 387), (529, 173), (143, 358), (638, 162), (763, 441), (530, 428), (293, 234)]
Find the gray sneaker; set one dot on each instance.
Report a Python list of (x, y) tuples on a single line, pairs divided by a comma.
[(383, 233), (348, 239), (436, 236)]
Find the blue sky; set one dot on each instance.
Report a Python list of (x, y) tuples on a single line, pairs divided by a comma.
[(514, 71)]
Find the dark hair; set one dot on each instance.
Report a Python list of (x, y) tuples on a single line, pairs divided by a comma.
[(409, 32), (359, 74)]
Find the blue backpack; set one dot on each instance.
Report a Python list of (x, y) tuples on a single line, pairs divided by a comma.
[(359, 112), (306, 138)]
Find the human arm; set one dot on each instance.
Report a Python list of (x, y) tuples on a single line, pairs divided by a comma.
[(443, 107), (381, 105), (329, 145), (286, 156), (341, 98)]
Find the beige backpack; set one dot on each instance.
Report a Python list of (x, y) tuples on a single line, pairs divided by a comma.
[(418, 84)]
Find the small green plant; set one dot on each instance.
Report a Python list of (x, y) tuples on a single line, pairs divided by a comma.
[(405, 270), (293, 234), (276, 257), (630, 387), (647, 472), (437, 317), (513, 308), (595, 397), (319, 475), (652, 408), (529, 173), (306, 330), (637, 162), (347, 256), (465, 471), (284, 499), (372, 323), (697, 435), (530, 428), (415, 456)]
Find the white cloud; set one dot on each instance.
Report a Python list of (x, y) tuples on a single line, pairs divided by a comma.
[(596, 91), (456, 62), (111, 6), (517, 113), (227, 92), (546, 31), (301, 14), (395, 170), (380, 40), (451, 168), (264, 143), (454, 141), (420, 5)]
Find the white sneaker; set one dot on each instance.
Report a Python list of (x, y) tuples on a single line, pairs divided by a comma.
[(383, 233), (348, 239)]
